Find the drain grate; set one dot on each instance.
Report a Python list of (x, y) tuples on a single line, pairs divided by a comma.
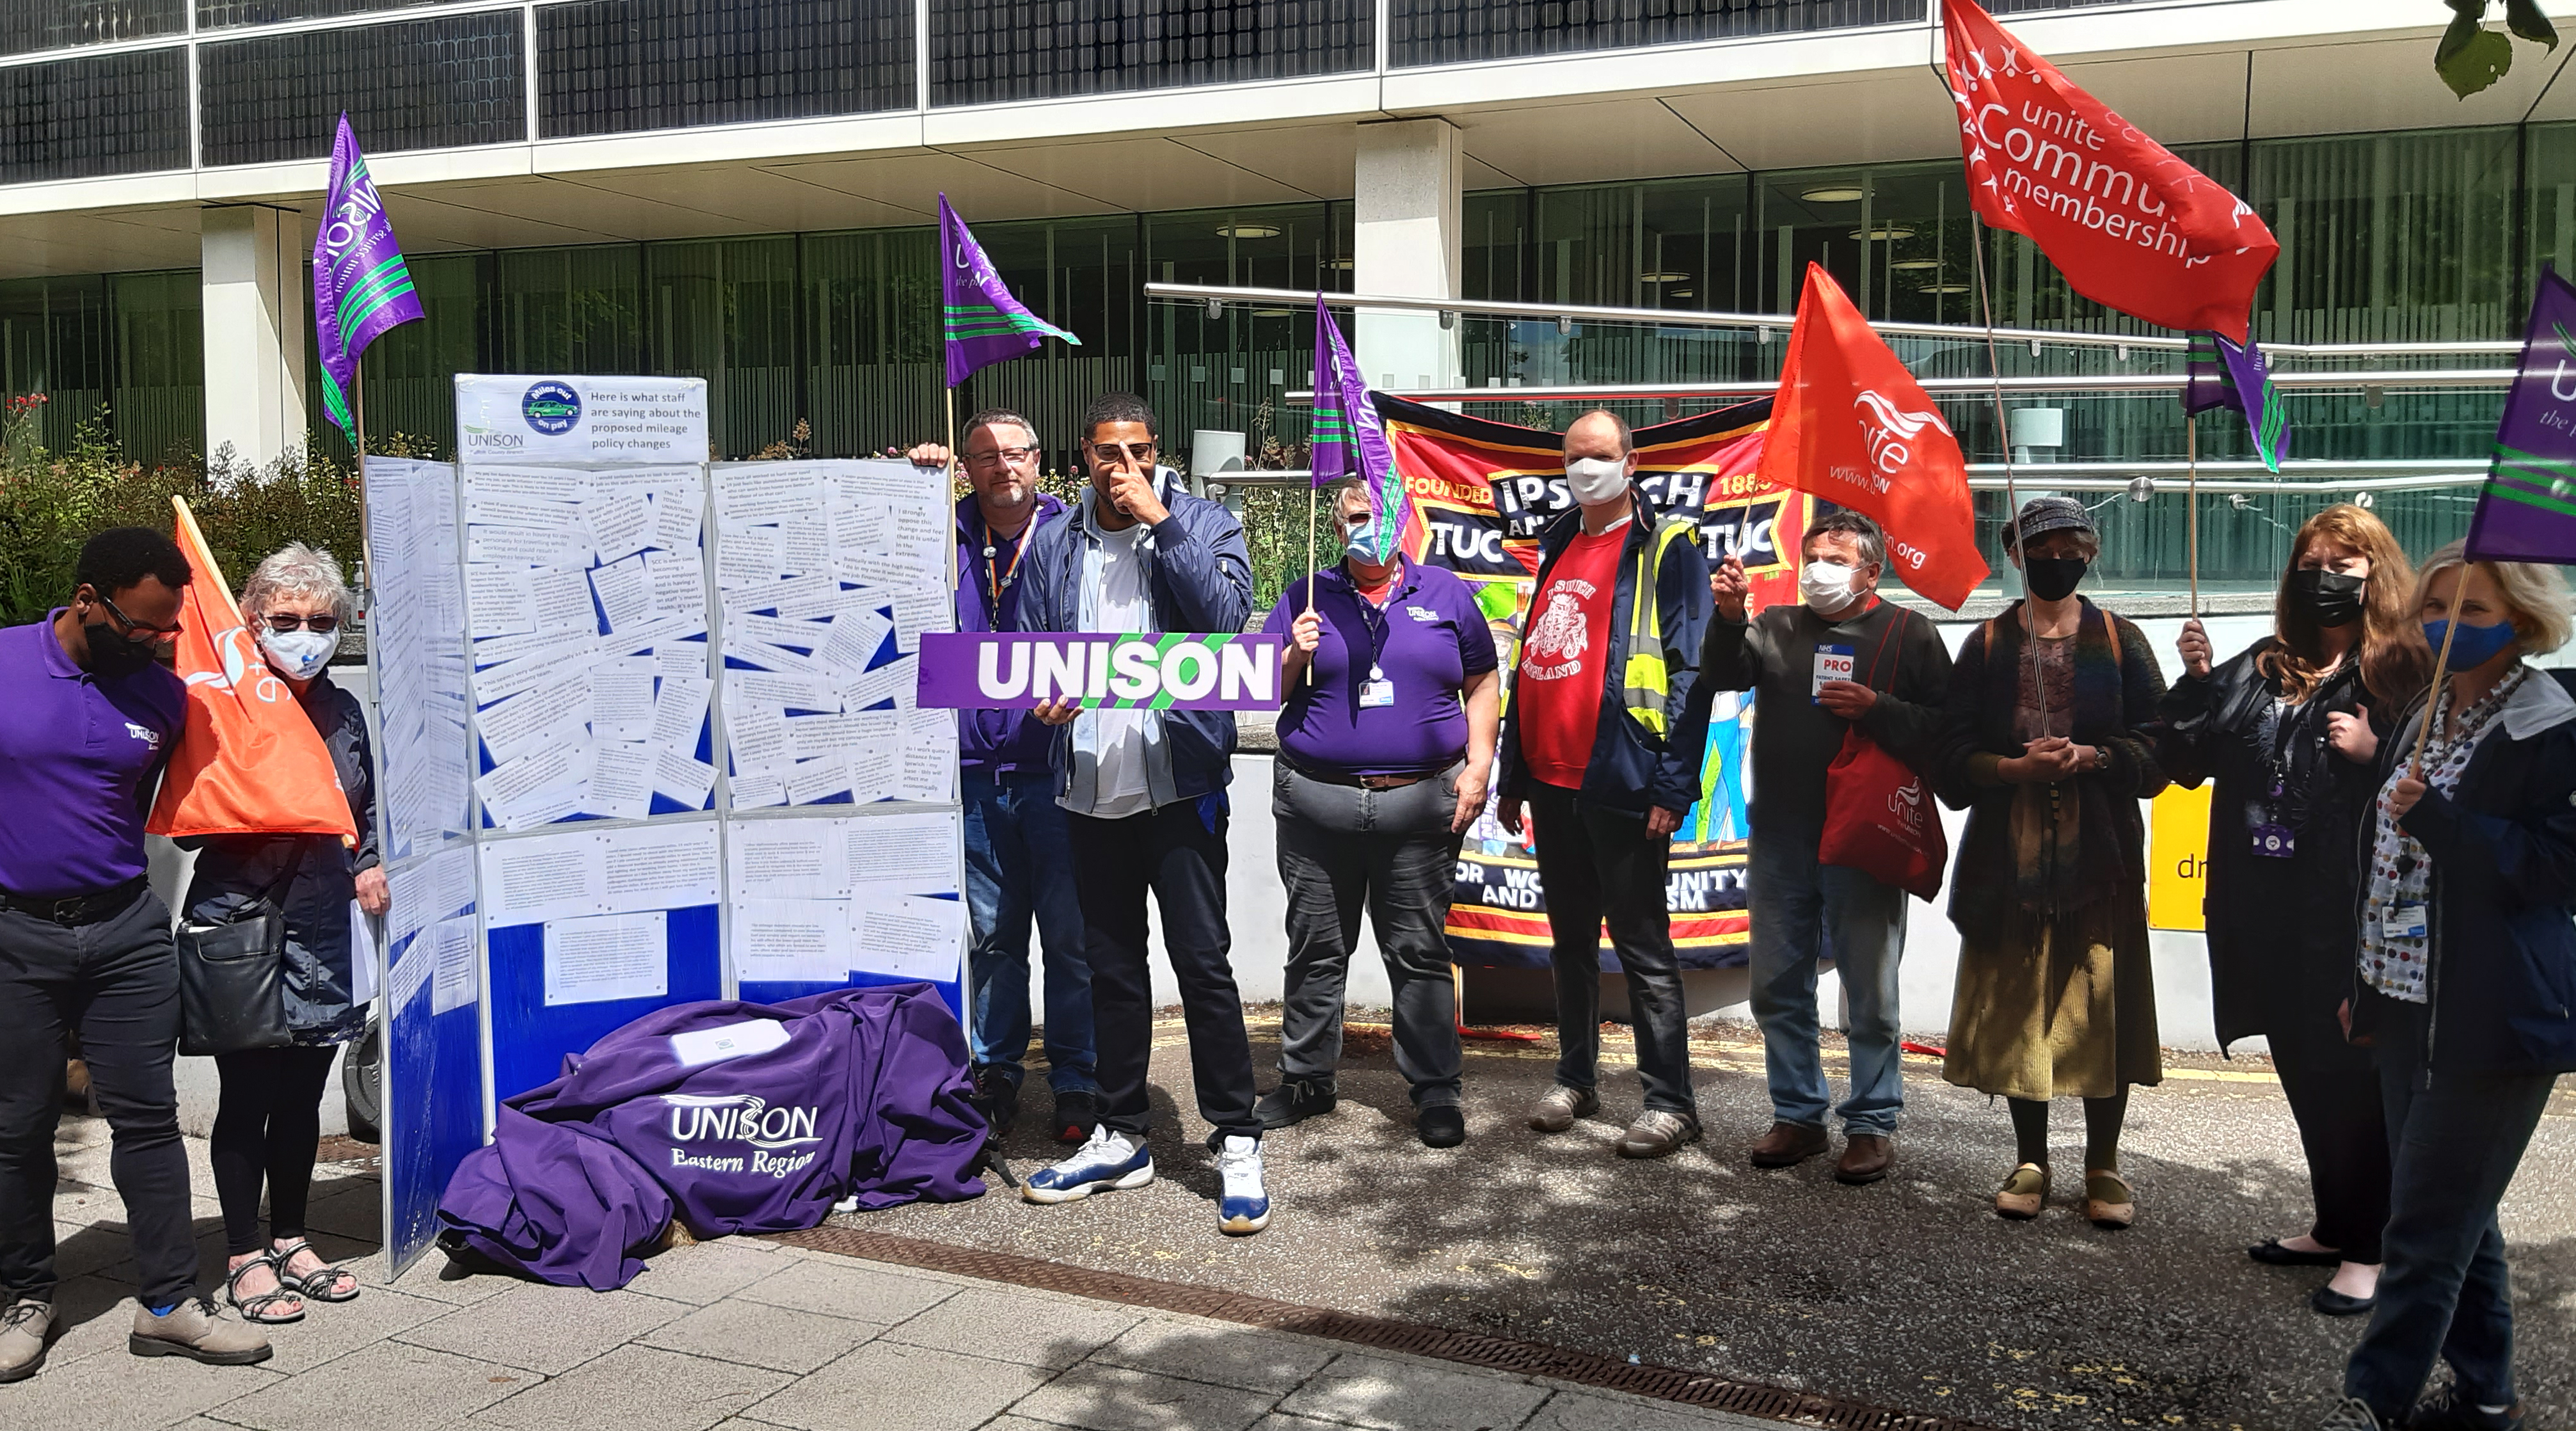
[(1493, 1353)]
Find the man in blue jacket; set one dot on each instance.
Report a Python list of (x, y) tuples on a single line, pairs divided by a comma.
[(1603, 748), (1018, 864), (1144, 793)]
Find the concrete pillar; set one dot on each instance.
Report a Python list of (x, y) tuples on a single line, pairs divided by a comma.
[(252, 274), (1408, 213)]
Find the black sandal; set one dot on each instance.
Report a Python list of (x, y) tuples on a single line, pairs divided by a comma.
[(322, 1284), (255, 1308)]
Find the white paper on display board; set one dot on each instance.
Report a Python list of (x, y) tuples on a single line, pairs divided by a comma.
[(455, 974), (910, 937), (607, 957), (362, 956), (792, 941)]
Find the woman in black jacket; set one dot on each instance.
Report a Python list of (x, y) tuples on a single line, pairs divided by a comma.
[(2464, 991), (2290, 729), (269, 1115)]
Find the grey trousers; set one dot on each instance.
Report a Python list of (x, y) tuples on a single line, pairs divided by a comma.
[(1343, 849)]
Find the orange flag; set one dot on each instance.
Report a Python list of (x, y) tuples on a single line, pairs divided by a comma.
[(250, 762), (1851, 426)]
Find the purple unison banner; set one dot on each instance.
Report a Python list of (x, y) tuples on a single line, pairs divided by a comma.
[(2528, 510), (1014, 670)]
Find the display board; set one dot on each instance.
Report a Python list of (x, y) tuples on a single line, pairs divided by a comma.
[(650, 737), (1485, 490)]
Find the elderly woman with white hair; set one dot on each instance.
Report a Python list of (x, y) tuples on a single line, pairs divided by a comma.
[(2466, 980), (270, 1115)]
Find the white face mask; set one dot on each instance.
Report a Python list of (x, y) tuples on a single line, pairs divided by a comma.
[(300, 655), (1828, 586), (1595, 480)]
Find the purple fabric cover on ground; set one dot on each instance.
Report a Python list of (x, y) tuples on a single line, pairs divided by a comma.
[(868, 1097)]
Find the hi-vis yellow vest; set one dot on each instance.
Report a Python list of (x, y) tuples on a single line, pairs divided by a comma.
[(1647, 681)]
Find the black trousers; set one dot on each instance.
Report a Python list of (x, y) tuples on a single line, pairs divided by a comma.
[(116, 984), (1344, 849), (1599, 866), (2334, 1095), (1178, 857), (266, 1126)]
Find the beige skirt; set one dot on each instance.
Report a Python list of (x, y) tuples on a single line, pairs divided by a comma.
[(2057, 1008)]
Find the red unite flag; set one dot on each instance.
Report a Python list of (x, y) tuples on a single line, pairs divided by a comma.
[(2131, 226), (1852, 426), (251, 762)]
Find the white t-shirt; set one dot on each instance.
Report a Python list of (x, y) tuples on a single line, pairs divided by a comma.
[(1124, 604)]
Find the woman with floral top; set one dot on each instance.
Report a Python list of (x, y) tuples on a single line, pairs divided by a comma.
[(2466, 980)]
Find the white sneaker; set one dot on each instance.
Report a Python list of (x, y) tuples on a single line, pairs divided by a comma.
[(1108, 1162), (1244, 1208)]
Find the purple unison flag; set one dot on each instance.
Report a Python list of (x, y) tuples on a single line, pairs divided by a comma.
[(2225, 375), (2527, 511), (982, 322), (1345, 416), (361, 287)]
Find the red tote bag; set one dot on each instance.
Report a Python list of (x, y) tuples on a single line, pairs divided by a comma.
[(1880, 818)]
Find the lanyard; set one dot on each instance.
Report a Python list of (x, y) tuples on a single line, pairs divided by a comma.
[(997, 579)]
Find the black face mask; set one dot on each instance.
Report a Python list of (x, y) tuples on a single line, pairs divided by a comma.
[(111, 654), (2329, 598), (2052, 578)]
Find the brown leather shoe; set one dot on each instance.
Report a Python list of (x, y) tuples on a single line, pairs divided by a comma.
[(1787, 1145), (2108, 1203), (2023, 1194), (1866, 1158)]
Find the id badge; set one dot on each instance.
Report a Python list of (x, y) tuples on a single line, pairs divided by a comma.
[(2403, 921), (2277, 842), (1833, 663), (1375, 693)]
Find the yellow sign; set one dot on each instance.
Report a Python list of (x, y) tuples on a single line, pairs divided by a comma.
[(2178, 858)]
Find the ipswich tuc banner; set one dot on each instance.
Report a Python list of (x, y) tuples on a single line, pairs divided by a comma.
[(1481, 493)]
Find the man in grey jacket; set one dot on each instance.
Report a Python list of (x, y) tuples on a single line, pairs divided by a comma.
[(1145, 799), (1841, 658)]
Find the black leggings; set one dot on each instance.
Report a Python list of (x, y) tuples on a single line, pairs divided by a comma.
[(266, 1127)]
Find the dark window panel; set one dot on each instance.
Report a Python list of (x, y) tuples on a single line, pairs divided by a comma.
[(422, 84), (224, 14), (1448, 32), (619, 66), (987, 51), (52, 24), (105, 114)]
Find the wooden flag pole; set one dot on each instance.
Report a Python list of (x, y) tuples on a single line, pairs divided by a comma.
[(2191, 451), (1310, 566), (949, 471), (2441, 668), (366, 543)]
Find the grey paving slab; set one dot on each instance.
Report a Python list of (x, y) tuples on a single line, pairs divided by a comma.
[(356, 1210), (704, 1272), (840, 1288), (81, 1248), (384, 1387), (1245, 1357), (1407, 1396), (758, 1334), (1116, 1398), (545, 1329), (638, 1389), (1595, 1411), (1014, 1326), (434, 1277), (113, 1390), (1277, 1421), (91, 1314), (334, 1329), (884, 1387)]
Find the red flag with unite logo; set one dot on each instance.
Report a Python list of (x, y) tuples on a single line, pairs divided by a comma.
[(2131, 226)]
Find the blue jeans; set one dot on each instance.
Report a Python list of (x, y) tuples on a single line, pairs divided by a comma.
[(1803, 910), (1019, 866), (2456, 1141)]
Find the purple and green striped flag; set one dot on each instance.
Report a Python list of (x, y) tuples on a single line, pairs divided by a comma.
[(2527, 511), (361, 287), (1345, 418), (2225, 375), (978, 316)]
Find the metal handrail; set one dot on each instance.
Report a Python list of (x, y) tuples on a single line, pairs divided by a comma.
[(2058, 477), (1695, 318), (1962, 386)]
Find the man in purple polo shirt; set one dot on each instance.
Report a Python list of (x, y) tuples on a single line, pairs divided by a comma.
[(1385, 747), (1018, 865), (85, 944)]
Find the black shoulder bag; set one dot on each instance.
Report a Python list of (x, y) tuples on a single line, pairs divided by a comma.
[(232, 976)]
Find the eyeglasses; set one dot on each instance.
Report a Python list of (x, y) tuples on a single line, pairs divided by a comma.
[(1111, 452), (131, 625), (281, 623), (1003, 454)]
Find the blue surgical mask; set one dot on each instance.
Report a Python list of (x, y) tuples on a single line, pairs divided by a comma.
[(1359, 541), (2474, 646)]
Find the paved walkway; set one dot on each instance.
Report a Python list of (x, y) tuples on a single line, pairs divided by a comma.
[(744, 1333)]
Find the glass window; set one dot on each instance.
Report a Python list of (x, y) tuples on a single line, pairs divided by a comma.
[(725, 311), (424, 84), (1233, 372), (618, 66), (988, 51), (123, 113), (2550, 177), (223, 14), (158, 405), (568, 310), (53, 341), (1448, 32), (53, 24), (411, 370)]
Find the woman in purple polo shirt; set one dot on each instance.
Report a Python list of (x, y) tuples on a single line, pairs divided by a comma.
[(1383, 759)]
